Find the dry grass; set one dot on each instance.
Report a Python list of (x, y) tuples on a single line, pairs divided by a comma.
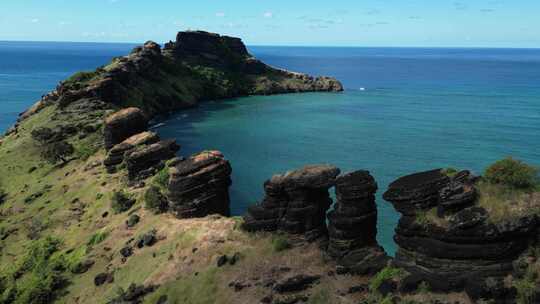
[(503, 203)]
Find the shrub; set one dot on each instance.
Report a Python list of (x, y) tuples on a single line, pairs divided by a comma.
[(512, 173), (44, 278), (280, 243), (155, 201), (162, 178), (121, 202), (97, 238), (57, 151), (526, 291), (387, 273), (450, 172)]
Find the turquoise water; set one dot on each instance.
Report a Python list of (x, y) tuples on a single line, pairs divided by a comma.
[(418, 109)]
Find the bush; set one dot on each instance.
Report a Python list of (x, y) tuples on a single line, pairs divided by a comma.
[(155, 201), (121, 202), (44, 279), (450, 172), (280, 243), (387, 273), (512, 173), (526, 291), (162, 178), (57, 151)]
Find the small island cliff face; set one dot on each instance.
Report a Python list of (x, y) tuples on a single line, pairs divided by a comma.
[(96, 208)]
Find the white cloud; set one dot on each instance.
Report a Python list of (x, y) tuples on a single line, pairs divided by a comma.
[(268, 15), (35, 20), (220, 14)]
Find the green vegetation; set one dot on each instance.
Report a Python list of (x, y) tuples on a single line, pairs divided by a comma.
[(97, 238), (162, 178), (39, 278), (121, 202), (155, 201), (280, 243), (424, 288), (57, 151), (200, 289), (387, 273), (321, 296), (513, 174), (526, 290), (83, 76), (450, 172)]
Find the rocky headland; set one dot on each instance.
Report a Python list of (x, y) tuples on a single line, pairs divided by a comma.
[(96, 208)]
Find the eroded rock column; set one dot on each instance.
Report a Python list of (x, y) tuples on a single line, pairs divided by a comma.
[(352, 225), (199, 185)]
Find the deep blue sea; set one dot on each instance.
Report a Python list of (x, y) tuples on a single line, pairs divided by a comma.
[(404, 110)]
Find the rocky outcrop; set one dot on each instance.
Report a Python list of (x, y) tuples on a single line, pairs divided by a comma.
[(146, 160), (461, 248), (199, 185), (116, 154), (295, 202), (159, 80), (122, 125), (352, 225)]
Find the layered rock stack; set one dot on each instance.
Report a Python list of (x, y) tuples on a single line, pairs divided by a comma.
[(116, 154), (462, 247), (352, 225), (199, 185), (295, 202), (146, 160), (129, 142), (122, 125)]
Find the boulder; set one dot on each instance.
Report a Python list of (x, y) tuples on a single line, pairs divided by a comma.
[(295, 202), (122, 125), (199, 185), (296, 283)]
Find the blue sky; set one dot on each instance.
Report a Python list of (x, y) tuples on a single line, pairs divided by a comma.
[(481, 23)]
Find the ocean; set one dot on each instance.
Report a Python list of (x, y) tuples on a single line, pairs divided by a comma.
[(403, 110)]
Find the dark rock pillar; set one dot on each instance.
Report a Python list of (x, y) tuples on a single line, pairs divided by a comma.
[(352, 225), (199, 185), (295, 202)]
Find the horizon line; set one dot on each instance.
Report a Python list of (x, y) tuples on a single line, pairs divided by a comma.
[(292, 45)]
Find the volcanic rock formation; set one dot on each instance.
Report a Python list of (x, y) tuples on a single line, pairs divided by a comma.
[(352, 225), (116, 155), (295, 202), (122, 125), (463, 247), (199, 185)]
